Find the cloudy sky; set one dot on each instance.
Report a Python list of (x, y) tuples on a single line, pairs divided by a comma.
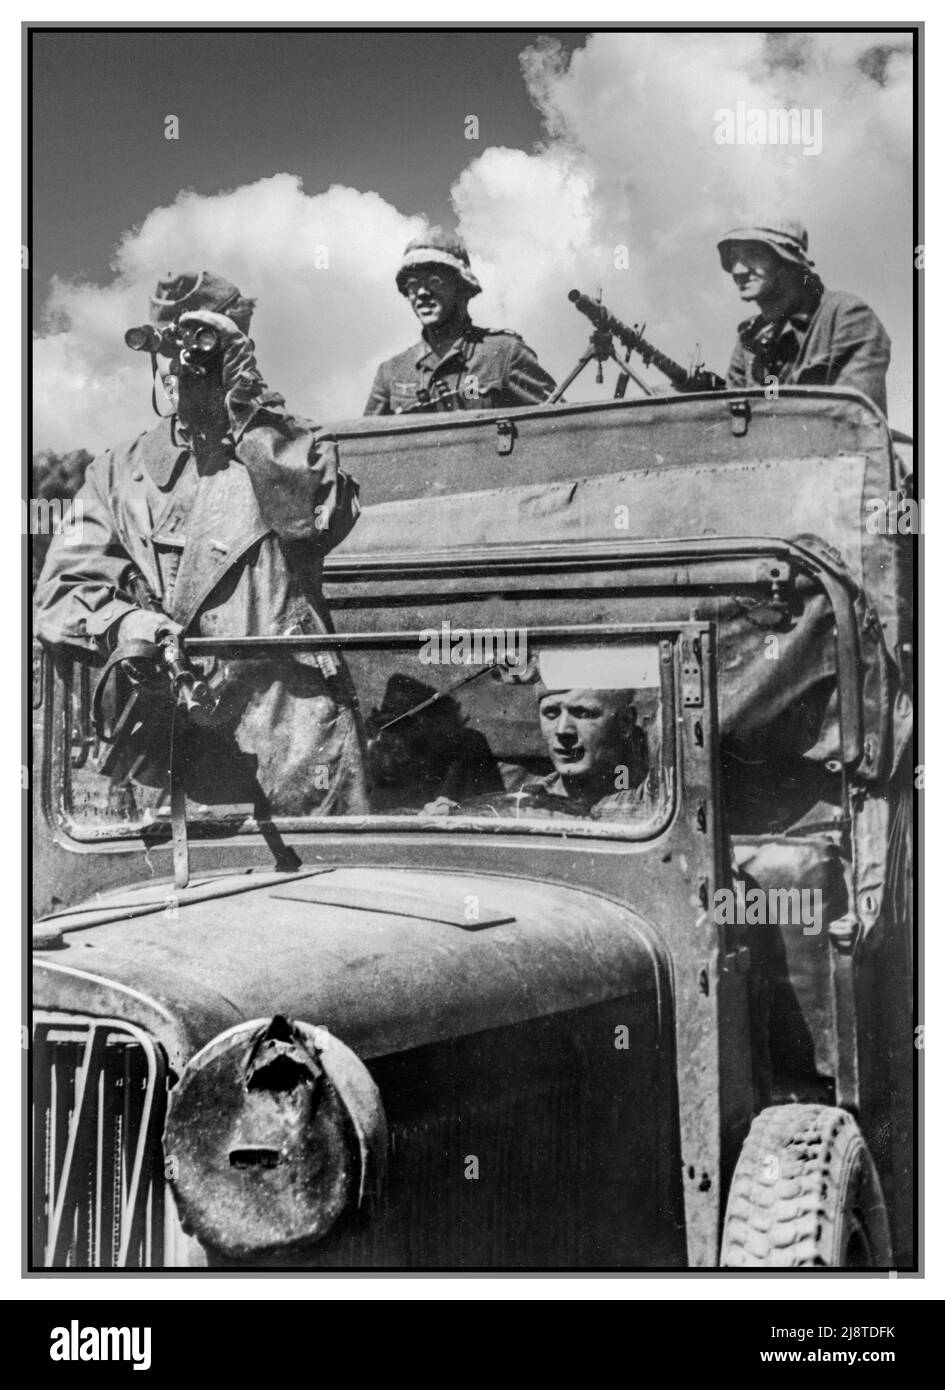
[(306, 161)]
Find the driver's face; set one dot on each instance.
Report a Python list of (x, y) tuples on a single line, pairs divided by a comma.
[(585, 731)]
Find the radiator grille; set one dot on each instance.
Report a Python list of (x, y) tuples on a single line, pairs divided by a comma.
[(99, 1095)]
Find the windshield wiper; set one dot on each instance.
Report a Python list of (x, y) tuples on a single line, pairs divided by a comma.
[(440, 694)]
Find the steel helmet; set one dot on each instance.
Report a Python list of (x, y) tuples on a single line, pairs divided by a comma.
[(786, 236), (438, 247)]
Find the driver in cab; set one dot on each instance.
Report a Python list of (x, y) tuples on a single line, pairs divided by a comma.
[(598, 755), (595, 746)]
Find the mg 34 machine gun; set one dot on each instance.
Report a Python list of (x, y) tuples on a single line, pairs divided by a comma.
[(601, 349)]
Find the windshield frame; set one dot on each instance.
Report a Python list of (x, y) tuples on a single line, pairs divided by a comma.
[(76, 673)]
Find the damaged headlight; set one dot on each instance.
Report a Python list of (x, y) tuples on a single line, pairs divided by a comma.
[(275, 1130)]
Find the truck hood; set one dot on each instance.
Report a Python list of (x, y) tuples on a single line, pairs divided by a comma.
[(387, 959)]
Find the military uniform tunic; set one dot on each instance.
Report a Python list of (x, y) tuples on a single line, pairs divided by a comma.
[(829, 339), (484, 369)]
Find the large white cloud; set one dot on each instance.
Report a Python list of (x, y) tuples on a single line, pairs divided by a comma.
[(629, 159), (321, 267)]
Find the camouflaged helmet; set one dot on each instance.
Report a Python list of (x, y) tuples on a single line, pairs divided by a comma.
[(438, 247), (185, 291), (786, 236)]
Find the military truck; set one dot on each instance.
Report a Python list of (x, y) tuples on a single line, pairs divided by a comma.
[(486, 1025)]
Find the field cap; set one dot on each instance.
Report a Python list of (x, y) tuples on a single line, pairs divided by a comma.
[(186, 291)]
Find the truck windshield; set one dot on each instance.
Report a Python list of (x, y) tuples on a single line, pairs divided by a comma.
[(491, 734)]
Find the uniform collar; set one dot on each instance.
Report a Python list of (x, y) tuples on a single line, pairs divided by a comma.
[(163, 447), (424, 350), (162, 450), (797, 320), (554, 785)]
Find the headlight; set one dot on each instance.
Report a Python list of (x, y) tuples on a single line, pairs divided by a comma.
[(275, 1130)]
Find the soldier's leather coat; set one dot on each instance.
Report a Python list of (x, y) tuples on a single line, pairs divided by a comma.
[(230, 539)]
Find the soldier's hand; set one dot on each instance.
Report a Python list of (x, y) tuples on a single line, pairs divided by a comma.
[(143, 625), (238, 360)]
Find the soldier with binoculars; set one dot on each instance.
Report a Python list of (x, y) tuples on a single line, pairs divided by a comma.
[(215, 523)]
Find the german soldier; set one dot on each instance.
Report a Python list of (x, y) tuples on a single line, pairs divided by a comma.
[(456, 365), (215, 523), (803, 334)]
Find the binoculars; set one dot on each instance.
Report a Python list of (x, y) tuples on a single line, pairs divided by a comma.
[(193, 343)]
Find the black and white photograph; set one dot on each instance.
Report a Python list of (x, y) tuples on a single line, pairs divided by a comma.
[(473, 509)]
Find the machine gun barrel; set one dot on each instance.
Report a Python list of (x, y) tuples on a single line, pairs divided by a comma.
[(604, 321), (190, 690)]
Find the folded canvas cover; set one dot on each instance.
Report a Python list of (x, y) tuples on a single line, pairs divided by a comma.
[(699, 469)]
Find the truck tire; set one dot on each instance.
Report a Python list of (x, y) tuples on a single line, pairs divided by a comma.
[(805, 1195)]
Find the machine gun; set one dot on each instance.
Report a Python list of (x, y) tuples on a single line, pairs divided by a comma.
[(186, 688), (601, 348), (148, 686), (158, 675)]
